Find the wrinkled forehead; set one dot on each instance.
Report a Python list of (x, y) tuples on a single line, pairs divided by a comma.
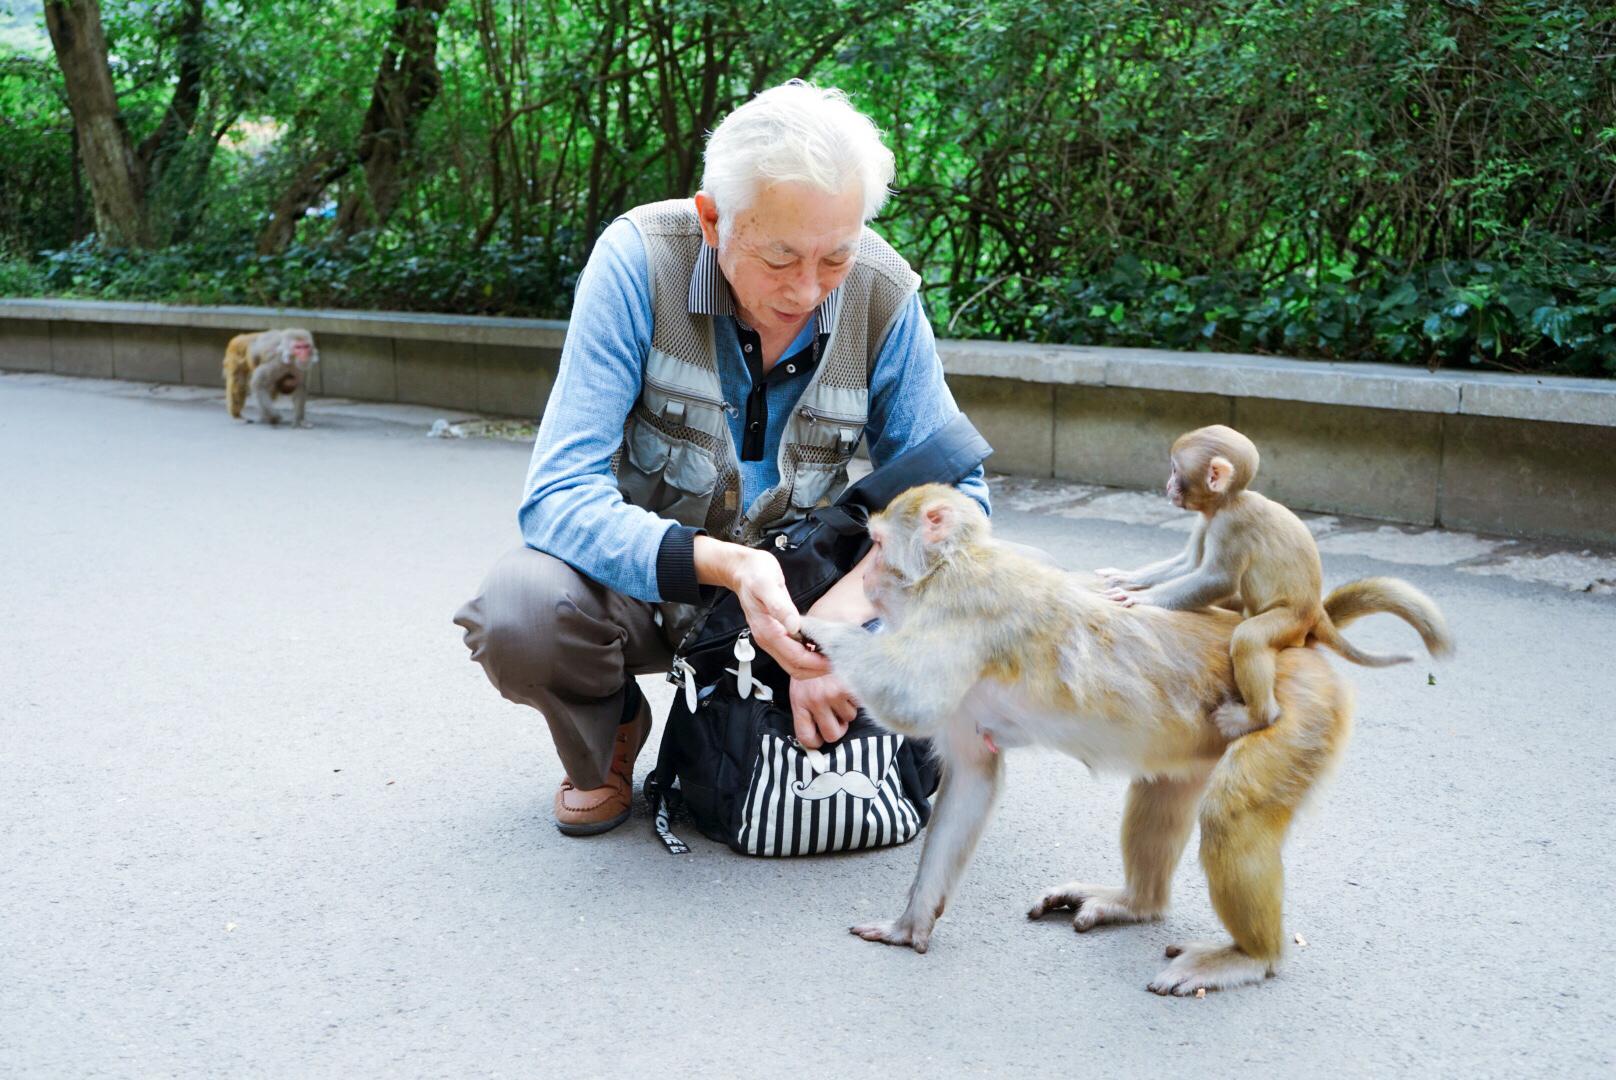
[(800, 220)]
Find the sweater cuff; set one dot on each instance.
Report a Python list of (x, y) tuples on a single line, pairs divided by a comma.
[(676, 566)]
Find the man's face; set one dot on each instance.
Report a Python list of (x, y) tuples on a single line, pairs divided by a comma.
[(784, 254)]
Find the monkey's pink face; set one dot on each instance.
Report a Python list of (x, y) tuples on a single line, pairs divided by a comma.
[(1175, 485), (884, 582), (302, 353)]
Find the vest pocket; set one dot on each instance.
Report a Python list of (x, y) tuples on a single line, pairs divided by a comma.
[(666, 476), (816, 485)]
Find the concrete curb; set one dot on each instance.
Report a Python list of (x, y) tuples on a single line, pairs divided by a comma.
[(1521, 455)]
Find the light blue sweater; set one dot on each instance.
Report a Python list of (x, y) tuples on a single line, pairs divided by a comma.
[(571, 507)]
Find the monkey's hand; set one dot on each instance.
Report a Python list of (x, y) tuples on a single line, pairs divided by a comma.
[(901, 931), (1124, 597), (830, 636), (1121, 579)]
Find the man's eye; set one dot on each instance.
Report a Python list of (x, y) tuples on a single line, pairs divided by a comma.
[(775, 265)]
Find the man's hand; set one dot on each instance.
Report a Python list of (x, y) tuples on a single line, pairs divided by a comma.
[(821, 710), (758, 583)]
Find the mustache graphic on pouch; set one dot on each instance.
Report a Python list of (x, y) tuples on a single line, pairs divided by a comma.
[(827, 784)]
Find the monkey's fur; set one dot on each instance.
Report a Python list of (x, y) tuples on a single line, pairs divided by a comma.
[(986, 649), (267, 365), (1251, 553)]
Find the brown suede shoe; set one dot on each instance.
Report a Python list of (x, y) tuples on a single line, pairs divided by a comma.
[(590, 811)]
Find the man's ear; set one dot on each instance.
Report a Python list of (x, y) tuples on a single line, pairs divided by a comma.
[(707, 215), (1219, 474)]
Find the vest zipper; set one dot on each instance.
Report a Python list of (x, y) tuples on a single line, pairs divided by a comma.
[(691, 395), (815, 416)]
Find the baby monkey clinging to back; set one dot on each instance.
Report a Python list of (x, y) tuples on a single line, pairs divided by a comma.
[(1251, 550)]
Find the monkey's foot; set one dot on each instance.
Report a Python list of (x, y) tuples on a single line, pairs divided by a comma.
[(1095, 905), (1207, 967), (1235, 720), (901, 931)]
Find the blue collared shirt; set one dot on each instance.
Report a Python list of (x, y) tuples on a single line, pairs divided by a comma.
[(571, 507)]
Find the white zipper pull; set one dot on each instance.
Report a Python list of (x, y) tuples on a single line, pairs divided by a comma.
[(745, 652), (682, 668), (760, 689)]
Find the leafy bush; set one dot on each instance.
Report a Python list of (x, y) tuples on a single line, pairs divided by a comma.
[(416, 273), (1456, 312)]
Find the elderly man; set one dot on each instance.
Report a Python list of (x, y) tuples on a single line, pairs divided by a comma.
[(724, 358)]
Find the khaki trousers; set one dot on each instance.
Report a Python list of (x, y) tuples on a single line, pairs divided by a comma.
[(551, 638)]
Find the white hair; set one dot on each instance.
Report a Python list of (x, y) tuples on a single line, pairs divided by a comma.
[(795, 132)]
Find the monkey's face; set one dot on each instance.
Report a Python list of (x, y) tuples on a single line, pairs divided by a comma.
[(302, 352), (920, 530), (1175, 483), (884, 583)]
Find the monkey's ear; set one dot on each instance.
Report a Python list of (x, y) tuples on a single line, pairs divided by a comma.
[(1219, 474), (937, 521)]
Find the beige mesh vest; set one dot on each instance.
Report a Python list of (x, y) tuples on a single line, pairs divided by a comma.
[(678, 459)]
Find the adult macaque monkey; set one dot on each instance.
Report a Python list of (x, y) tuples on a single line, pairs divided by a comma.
[(986, 649), (1250, 553), (269, 364)]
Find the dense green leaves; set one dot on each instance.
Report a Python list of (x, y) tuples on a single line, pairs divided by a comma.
[(1419, 181)]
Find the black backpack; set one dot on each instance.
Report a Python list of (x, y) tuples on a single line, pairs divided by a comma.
[(730, 759)]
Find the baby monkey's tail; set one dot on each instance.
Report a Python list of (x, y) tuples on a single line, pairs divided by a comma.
[(1393, 596)]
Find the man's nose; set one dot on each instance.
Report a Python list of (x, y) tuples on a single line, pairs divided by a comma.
[(803, 288)]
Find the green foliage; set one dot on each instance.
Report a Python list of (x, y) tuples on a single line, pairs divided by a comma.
[(423, 272), (1416, 181), (1457, 312)]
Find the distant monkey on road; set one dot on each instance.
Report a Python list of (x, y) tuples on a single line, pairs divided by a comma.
[(269, 364)]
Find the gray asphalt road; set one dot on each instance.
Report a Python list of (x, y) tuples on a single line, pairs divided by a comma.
[(261, 817)]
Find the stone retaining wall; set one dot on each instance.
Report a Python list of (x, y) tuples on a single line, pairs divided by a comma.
[(1520, 455)]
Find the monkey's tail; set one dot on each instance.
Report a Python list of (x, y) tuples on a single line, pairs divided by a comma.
[(1393, 596)]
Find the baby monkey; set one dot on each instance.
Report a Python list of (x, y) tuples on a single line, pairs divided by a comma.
[(1251, 553)]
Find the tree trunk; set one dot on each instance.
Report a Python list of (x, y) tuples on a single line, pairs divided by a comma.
[(304, 191), (117, 182), (406, 84), (162, 145)]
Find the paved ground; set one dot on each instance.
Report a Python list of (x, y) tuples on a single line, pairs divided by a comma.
[(262, 818)]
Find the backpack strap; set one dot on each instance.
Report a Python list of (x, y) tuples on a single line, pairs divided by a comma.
[(944, 458)]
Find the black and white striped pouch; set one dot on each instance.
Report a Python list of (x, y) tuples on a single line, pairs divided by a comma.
[(735, 767), (805, 802)]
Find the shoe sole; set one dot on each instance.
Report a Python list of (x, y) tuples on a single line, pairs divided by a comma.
[(593, 828)]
